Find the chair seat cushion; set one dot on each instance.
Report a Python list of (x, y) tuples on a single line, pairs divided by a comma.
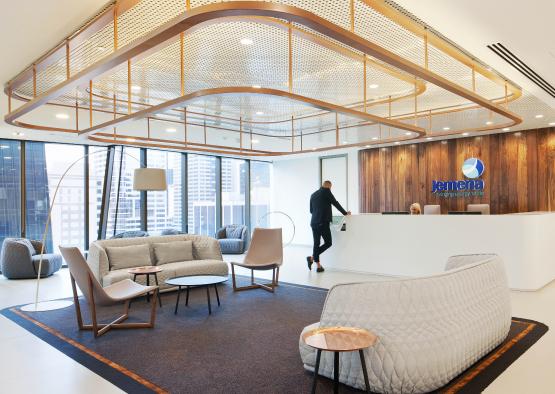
[(127, 289), (171, 252), (51, 263), (231, 246), (121, 257)]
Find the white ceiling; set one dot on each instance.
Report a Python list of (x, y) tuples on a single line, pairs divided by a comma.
[(526, 28), (28, 28)]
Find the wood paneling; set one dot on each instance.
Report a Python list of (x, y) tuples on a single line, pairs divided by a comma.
[(519, 175)]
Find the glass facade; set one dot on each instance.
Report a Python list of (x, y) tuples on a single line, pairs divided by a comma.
[(234, 187), (203, 192), (261, 192), (201, 188), (165, 208), (10, 190)]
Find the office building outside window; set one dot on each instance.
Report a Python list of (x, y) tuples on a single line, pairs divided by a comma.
[(10, 189), (97, 169), (201, 187), (234, 188), (260, 188)]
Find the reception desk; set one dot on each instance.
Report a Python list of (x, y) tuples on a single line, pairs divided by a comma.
[(401, 245)]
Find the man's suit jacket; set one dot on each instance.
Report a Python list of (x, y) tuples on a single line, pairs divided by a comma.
[(320, 206)]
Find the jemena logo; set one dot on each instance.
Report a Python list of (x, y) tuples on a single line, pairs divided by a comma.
[(472, 168)]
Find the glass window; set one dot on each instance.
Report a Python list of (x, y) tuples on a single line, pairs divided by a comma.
[(261, 180), (164, 208), (10, 189), (97, 168), (44, 165), (234, 188), (125, 203), (201, 187)]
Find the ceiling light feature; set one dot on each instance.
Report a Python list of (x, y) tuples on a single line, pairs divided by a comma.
[(375, 138), (256, 86), (136, 88), (539, 116), (408, 133), (259, 113), (551, 123), (506, 129), (465, 134), (489, 122), (246, 41), (171, 130), (62, 116), (429, 138), (255, 141), (397, 142), (373, 86), (18, 134), (100, 48), (447, 128), (367, 146)]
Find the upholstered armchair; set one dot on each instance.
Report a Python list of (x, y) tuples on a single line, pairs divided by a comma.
[(131, 234), (233, 238), (20, 259)]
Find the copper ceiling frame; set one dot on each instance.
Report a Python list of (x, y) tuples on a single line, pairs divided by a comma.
[(209, 13)]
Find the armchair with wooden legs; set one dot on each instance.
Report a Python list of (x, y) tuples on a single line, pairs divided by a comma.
[(265, 253), (96, 295)]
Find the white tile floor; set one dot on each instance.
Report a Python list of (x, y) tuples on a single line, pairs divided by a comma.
[(28, 365)]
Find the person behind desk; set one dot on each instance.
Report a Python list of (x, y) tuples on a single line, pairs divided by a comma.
[(415, 209), (320, 208)]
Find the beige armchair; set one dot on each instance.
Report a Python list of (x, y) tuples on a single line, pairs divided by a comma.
[(96, 295), (265, 253)]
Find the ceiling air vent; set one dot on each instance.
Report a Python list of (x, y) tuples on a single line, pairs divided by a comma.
[(524, 69)]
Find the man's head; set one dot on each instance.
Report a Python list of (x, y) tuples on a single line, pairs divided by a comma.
[(326, 185)]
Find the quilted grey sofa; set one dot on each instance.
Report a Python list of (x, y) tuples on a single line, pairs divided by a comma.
[(429, 329), (20, 259), (109, 263), (233, 238)]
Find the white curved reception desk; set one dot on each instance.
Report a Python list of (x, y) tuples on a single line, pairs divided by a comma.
[(403, 245)]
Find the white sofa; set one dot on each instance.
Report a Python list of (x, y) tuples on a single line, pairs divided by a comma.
[(429, 329), (206, 258)]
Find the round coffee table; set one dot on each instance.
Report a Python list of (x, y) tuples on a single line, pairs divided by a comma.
[(197, 281), (147, 270), (336, 340)]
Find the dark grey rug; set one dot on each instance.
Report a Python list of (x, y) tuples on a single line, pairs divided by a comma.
[(248, 345)]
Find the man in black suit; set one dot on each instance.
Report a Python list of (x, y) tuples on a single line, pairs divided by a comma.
[(320, 208)]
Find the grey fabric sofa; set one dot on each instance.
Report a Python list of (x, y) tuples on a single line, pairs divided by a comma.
[(233, 238), (20, 259), (205, 258)]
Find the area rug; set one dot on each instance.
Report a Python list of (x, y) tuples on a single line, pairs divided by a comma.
[(247, 345)]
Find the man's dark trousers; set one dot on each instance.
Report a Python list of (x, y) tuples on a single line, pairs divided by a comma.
[(320, 230)]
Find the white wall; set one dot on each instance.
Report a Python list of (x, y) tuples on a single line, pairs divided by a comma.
[(295, 179)]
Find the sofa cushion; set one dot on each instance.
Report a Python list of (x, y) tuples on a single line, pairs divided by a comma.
[(170, 252), (204, 249), (234, 232), (198, 267), (121, 257)]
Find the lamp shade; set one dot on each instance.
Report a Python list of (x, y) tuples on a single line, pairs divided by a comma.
[(149, 179)]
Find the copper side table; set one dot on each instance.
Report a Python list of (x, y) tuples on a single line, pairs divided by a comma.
[(338, 340), (148, 270)]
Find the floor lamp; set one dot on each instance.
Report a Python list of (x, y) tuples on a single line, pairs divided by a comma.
[(144, 179)]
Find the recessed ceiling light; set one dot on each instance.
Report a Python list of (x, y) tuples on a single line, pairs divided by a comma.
[(246, 41), (408, 133), (397, 142), (367, 146), (18, 134), (447, 128), (345, 142), (131, 139), (429, 138), (506, 129), (135, 88), (171, 130), (313, 148), (375, 138), (374, 86), (539, 116), (100, 48), (465, 134), (255, 141), (256, 86), (259, 113), (552, 123), (62, 116), (489, 122)]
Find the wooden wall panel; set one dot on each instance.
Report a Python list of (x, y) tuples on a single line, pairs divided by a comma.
[(519, 175)]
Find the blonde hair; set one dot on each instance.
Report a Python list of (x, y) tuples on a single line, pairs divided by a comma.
[(416, 206)]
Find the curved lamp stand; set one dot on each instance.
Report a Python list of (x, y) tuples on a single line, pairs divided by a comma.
[(59, 304), (280, 213)]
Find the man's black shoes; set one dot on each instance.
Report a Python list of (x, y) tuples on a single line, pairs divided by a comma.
[(309, 261)]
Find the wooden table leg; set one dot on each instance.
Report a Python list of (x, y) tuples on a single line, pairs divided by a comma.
[(148, 284), (364, 371), (156, 280), (316, 368), (335, 372), (177, 302), (187, 298)]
